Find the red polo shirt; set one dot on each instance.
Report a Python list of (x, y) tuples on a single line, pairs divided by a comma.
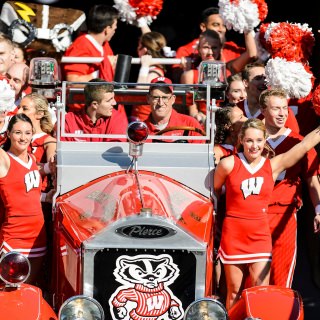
[(79, 122)]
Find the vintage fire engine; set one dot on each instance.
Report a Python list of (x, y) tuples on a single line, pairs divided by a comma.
[(134, 226), (134, 222)]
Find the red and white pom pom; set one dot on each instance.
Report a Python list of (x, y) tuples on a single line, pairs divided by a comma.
[(132, 10), (316, 100), (290, 41), (126, 12), (242, 15), (290, 76)]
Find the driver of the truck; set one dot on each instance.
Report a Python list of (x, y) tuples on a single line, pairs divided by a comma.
[(164, 119)]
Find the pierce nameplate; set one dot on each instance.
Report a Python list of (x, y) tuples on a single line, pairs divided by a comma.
[(145, 231)]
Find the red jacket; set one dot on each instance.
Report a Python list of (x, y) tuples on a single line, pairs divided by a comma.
[(79, 122), (176, 119)]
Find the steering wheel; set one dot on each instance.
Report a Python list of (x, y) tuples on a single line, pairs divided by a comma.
[(184, 128)]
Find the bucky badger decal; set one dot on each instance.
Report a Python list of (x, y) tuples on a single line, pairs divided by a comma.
[(144, 294)]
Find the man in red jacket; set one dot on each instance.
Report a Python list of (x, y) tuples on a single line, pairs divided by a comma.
[(102, 24), (286, 199), (210, 19), (163, 115), (254, 79), (98, 115)]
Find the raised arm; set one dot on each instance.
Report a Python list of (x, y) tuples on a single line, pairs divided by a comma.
[(291, 157), (251, 52)]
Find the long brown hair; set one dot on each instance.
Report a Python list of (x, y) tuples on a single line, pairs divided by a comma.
[(13, 120), (154, 42)]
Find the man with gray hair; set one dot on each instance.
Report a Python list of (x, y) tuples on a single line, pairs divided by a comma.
[(18, 76)]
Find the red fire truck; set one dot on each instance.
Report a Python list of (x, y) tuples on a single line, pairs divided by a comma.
[(134, 227)]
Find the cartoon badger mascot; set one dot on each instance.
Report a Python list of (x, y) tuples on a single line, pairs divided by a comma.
[(144, 294)]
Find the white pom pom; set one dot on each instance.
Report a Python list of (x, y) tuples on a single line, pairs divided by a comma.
[(142, 22), (241, 17), (7, 97), (304, 27), (290, 76), (53, 113), (127, 13)]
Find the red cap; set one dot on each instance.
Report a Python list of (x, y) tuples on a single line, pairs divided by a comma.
[(163, 80)]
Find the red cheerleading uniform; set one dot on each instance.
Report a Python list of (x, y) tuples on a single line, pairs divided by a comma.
[(286, 199), (291, 122), (37, 149), (37, 146), (246, 234), (227, 149), (305, 115), (23, 227)]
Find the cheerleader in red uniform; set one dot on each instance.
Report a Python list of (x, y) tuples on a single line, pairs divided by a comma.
[(249, 179), (43, 144), (228, 121), (43, 147), (23, 228)]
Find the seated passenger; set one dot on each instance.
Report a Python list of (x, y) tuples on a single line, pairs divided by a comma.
[(98, 116), (161, 100)]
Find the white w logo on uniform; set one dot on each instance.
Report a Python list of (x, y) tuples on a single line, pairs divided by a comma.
[(32, 180), (251, 186), (155, 302)]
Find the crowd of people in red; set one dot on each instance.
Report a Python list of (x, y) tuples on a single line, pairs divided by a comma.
[(264, 151)]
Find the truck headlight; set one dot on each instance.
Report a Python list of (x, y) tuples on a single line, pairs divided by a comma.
[(81, 308), (206, 308)]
